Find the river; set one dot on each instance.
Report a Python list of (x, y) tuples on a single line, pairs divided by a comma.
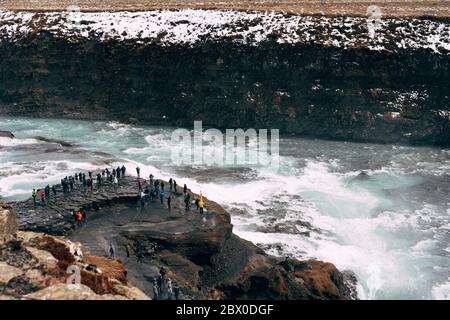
[(390, 227)]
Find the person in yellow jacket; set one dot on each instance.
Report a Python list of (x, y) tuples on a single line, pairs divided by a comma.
[(201, 204)]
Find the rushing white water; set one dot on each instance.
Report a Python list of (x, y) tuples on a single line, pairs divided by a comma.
[(391, 228)]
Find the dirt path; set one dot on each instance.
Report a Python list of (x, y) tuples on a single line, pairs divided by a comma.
[(402, 8)]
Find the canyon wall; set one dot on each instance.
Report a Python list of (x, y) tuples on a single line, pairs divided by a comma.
[(319, 77)]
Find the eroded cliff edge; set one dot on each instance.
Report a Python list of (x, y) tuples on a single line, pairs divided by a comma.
[(327, 77), (200, 253), (34, 266)]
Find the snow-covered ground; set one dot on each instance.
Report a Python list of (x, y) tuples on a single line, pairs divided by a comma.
[(191, 26)]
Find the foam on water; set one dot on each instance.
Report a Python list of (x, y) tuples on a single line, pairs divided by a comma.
[(391, 227)]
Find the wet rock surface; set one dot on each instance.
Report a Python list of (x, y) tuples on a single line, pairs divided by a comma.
[(201, 255), (7, 134)]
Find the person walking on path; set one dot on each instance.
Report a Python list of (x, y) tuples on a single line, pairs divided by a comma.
[(54, 190), (185, 189), (42, 193), (171, 184), (174, 185), (169, 201)]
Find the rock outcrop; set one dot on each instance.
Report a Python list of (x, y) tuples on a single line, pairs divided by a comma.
[(200, 253), (35, 266), (8, 223), (7, 134)]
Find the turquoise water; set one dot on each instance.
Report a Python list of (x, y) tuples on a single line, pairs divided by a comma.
[(390, 227)]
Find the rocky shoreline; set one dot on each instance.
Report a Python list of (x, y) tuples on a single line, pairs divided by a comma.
[(201, 254)]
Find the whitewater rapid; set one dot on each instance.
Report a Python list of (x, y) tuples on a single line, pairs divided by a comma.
[(391, 227)]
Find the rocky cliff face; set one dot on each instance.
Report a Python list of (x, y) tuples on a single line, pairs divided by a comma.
[(314, 76), (35, 266), (200, 253)]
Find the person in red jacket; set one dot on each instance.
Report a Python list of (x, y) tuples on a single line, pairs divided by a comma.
[(42, 192), (79, 218)]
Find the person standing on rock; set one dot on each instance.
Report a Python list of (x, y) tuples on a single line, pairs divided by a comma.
[(171, 184), (185, 189), (33, 194), (116, 182), (47, 192), (155, 290), (79, 218), (42, 193), (162, 272), (169, 201), (187, 201), (174, 185), (161, 197), (162, 185), (169, 287), (151, 179), (201, 204), (196, 203), (176, 291), (142, 199), (90, 174), (123, 170), (138, 171), (84, 216), (54, 190), (112, 251)]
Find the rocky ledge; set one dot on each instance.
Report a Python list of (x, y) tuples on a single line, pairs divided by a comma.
[(200, 253), (36, 266)]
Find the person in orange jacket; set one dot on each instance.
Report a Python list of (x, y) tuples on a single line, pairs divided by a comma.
[(79, 218)]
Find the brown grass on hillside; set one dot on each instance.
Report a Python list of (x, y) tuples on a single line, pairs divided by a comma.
[(399, 8)]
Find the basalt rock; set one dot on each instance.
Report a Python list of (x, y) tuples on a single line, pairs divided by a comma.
[(7, 134), (199, 252), (37, 267), (332, 81)]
